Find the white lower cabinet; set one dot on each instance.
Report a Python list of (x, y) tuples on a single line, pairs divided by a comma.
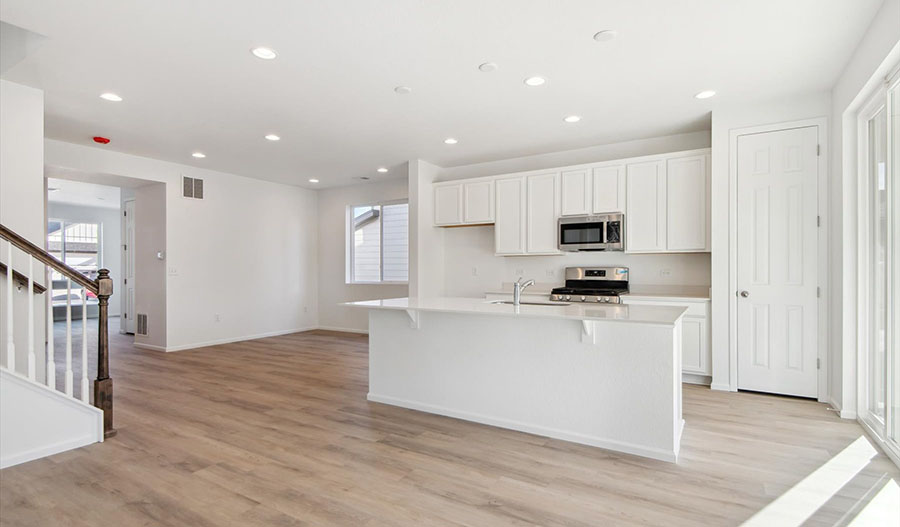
[(696, 358)]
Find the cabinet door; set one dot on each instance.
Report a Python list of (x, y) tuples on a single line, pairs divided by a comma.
[(575, 192), (509, 220), (609, 189), (542, 212), (448, 204), (645, 218), (694, 346), (478, 202), (687, 204)]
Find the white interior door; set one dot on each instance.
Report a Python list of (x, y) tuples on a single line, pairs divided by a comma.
[(777, 261), (128, 316)]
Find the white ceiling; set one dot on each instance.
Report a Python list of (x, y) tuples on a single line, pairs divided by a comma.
[(190, 83), (84, 194)]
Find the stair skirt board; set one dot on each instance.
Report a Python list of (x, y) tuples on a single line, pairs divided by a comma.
[(36, 421)]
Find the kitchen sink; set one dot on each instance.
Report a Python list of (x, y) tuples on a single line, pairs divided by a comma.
[(511, 303)]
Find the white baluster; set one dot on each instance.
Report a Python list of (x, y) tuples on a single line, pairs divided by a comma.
[(30, 317), (69, 376), (10, 342), (51, 352), (84, 379)]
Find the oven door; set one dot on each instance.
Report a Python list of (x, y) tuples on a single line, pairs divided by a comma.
[(582, 233)]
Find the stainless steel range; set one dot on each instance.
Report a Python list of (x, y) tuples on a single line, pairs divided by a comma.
[(593, 284)]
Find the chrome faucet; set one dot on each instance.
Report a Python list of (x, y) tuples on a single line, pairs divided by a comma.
[(518, 287)]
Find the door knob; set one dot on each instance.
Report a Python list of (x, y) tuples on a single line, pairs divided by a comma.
[(745, 294)]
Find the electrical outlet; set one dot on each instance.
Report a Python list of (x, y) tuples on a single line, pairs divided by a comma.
[(551, 272), (173, 271), (474, 271), (218, 317), (520, 272), (305, 309), (665, 273)]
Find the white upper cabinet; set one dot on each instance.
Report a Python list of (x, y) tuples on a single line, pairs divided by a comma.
[(464, 203), (665, 198), (645, 218), (687, 204), (609, 189), (478, 202), (541, 212), (576, 192), (509, 224), (448, 204)]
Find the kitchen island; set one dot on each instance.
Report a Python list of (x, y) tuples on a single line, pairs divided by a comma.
[(600, 375)]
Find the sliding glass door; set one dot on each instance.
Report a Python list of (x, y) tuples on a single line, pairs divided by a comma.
[(879, 128)]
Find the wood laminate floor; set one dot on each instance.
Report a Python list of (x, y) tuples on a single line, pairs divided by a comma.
[(278, 431)]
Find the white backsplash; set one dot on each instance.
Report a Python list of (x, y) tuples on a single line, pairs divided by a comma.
[(471, 267)]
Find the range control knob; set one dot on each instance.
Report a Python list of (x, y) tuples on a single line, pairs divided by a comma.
[(568, 297), (582, 298)]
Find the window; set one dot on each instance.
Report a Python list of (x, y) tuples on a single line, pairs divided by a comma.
[(378, 243), (78, 245), (879, 293)]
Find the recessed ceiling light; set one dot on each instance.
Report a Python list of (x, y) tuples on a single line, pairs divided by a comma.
[(705, 94), (313, 180), (488, 67), (535, 81), (101, 199), (606, 35), (273, 137), (403, 90), (110, 97), (199, 155), (264, 53), (382, 170), (364, 178), (52, 189), (450, 141), (572, 119)]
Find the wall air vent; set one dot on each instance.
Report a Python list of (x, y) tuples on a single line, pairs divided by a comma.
[(191, 187), (142, 324)]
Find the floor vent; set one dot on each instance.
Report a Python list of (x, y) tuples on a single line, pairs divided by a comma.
[(142, 324)]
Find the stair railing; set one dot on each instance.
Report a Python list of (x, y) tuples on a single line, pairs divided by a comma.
[(101, 287)]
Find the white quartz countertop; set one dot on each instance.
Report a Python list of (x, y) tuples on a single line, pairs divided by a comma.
[(638, 314), (669, 292)]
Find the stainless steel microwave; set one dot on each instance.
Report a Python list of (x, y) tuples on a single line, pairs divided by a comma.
[(596, 232)]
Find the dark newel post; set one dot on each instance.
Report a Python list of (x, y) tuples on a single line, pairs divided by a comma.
[(103, 386)]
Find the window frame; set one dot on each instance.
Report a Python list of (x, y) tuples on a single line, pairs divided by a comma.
[(350, 252)]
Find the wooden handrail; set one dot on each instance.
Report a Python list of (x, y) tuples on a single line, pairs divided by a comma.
[(48, 259), (22, 279), (103, 288)]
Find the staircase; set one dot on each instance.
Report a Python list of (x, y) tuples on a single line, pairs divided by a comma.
[(36, 418)]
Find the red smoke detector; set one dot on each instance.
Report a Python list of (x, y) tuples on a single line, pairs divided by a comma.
[(101, 140)]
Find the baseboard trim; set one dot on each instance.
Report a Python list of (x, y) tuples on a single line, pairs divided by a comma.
[(49, 450), (696, 378), (344, 330), (720, 387), (609, 444), (217, 342)]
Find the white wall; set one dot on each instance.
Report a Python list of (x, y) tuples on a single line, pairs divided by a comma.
[(332, 254), (877, 52), (110, 221), (22, 208), (636, 148), (246, 252), (150, 278), (471, 268), (726, 118), (426, 242)]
